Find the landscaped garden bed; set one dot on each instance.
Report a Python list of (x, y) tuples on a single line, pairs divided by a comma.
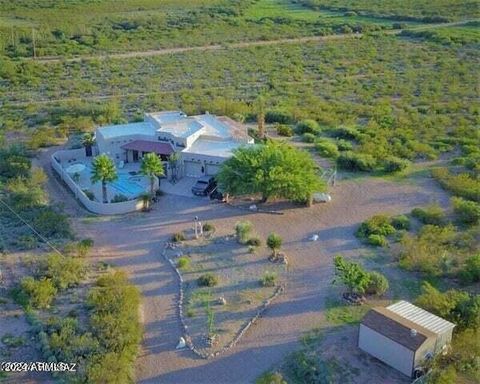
[(226, 284)]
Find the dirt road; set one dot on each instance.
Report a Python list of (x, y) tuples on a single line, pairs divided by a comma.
[(168, 51)]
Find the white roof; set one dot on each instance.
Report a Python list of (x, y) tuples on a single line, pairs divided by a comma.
[(421, 317), (167, 116), (181, 128), (216, 148), (142, 128), (213, 127)]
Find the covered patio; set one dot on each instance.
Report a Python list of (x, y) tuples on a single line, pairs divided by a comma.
[(136, 149)]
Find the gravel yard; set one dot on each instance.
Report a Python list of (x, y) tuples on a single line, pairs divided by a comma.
[(134, 243)]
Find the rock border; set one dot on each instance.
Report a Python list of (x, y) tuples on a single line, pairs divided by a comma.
[(188, 340)]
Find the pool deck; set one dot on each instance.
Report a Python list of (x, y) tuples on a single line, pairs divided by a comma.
[(120, 186)]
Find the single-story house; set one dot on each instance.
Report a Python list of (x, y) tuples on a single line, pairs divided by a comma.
[(203, 141), (403, 336)]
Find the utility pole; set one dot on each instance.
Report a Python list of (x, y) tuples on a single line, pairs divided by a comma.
[(33, 44)]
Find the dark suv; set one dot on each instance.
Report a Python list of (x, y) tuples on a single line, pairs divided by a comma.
[(204, 186)]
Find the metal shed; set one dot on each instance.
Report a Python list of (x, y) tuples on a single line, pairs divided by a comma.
[(403, 335)]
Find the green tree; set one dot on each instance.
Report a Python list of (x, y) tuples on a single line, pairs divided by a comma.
[(274, 242), (173, 162), (88, 141), (104, 171), (152, 167), (352, 275), (272, 170)]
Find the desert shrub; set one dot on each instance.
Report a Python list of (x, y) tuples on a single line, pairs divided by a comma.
[(14, 162), (327, 149), (271, 378), (114, 305), (456, 306), (344, 145), (275, 116), (269, 279), (468, 212), (356, 161), (284, 130), (50, 223), (306, 367), (207, 227), (376, 225), (377, 240), (308, 126), (84, 246), (24, 194), (27, 242), (377, 285), (394, 164), (471, 271), (401, 222), (432, 214), (274, 242), (12, 341), (67, 341), (430, 251), (183, 263), (118, 198), (308, 137), (63, 271), (40, 293), (346, 133), (208, 280), (463, 184), (352, 275), (177, 237), (254, 242), (243, 230)]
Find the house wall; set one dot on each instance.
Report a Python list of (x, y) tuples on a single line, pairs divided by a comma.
[(386, 350), (112, 147)]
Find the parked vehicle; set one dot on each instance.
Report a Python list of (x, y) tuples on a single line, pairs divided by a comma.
[(204, 186)]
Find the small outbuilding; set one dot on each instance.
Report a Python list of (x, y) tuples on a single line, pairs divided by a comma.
[(403, 336)]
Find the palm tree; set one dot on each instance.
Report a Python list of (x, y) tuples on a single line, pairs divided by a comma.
[(152, 167), (103, 170), (88, 141), (173, 162)]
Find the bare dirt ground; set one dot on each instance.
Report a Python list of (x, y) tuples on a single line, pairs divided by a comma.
[(133, 242)]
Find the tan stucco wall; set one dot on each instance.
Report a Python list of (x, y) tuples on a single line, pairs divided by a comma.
[(386, 350), (93, 206)]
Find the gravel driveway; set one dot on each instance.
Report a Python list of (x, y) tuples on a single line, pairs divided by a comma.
[(133, 242)]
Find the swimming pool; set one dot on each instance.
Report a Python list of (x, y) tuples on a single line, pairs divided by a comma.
[(126, 185)]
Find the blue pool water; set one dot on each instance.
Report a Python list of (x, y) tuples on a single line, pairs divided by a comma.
[(126, 186)]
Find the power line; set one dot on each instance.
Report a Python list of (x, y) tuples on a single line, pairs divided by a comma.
[(32, 228)]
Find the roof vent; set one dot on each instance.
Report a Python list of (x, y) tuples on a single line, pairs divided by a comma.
[(413, 332)]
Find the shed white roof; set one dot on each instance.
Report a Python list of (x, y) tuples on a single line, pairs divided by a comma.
[(421, 317), (112, 131)]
